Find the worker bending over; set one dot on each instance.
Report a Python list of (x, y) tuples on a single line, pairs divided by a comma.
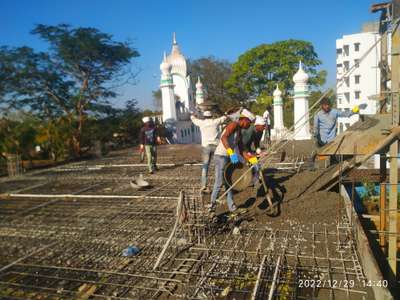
[(148, 141), (210, 131), (251, 140), (251, 137), (230, 147)]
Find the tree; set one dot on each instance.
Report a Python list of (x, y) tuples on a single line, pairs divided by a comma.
[(259, 69), (18, 135), (131, 121), (75, 79), (157, 99), (213, 73)]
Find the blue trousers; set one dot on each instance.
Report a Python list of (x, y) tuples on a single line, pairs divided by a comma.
[(220, 162), (206, 155)]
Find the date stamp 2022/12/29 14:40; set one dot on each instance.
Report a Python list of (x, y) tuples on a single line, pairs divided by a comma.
[(320, 283)]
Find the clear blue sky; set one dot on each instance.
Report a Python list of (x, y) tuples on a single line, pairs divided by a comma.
[(222, 28)]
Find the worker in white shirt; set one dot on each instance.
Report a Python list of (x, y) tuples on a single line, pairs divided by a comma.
[(267, 131), (210, 132)]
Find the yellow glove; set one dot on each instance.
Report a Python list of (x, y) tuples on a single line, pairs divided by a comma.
[(229, 151), (356, 109), (253, 160)]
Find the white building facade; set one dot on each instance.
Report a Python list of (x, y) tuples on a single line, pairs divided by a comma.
[(361, 85), (177, 98)]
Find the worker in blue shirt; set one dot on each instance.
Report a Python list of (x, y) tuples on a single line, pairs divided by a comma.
[(325, 122)]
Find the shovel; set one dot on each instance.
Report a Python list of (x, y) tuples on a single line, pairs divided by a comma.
[(272, 209)]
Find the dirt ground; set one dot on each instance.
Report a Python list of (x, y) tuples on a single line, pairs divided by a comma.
[(298, 195)]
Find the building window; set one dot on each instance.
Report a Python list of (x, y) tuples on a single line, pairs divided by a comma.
[(357, 47), (340, 100), (340, 127), (346, 65), (346, 50), (338, 52), (347, 81), (357, 94), (347, 125), (356, 79), (181, 133), (347, 96), (357, 63)]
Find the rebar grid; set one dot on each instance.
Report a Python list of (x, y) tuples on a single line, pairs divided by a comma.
[(85, 238), (318, 253)]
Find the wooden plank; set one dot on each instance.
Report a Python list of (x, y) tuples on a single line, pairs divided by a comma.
[(394, 147)]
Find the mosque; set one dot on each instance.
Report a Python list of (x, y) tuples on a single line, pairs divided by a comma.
[(178, 100), (177, 97)]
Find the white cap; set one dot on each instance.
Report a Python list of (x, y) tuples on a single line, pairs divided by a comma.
[(207, 113), (146, 119), (259, 121), (247, 114)]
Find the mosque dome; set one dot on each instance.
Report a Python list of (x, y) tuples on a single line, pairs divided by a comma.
[(177, 60), (300, 76), (199, 85), (277, 92), (165, 66)]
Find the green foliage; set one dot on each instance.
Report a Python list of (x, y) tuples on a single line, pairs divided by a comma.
[(157, 99), (265, 99), (74, 80), (121, 127), (259, 69), (18, 136), (213, 73)]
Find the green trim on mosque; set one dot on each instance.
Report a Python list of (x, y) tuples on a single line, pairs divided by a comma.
[(301, 94), (166, 81), (278, 102)]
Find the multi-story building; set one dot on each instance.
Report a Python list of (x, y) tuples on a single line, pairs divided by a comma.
[(357, 74)]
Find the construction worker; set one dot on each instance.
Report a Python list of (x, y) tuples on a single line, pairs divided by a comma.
[(325, 122), (210, 131), (251, 140), (267, 131), (148, 141), (252, 136), (230, 147)]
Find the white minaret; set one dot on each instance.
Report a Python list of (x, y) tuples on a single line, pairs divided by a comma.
[(167, 91), (180, 77), (199, 92), (279, 127), (301, 113)]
